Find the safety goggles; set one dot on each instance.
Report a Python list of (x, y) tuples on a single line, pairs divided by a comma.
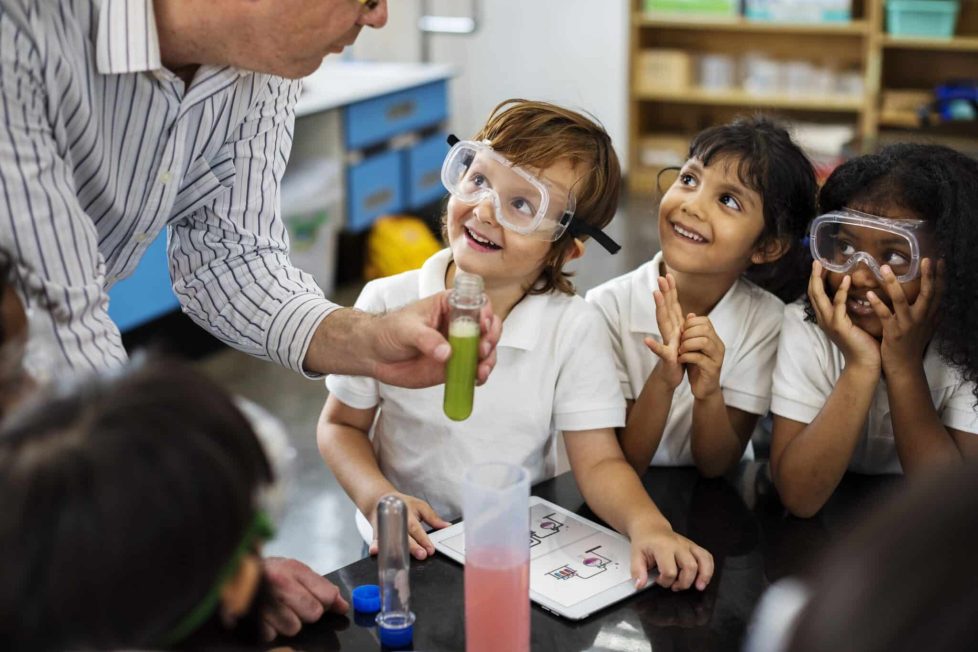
[(842, 239), (522, 202)]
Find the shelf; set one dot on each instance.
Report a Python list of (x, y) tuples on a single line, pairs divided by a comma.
[(842, 104), (955, 44), (904, 119), (740, 24)]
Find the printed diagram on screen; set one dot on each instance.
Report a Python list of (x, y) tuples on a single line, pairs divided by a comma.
[(546, 526), (590, 564)]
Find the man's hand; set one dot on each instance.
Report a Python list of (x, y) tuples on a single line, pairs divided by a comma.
[(299, 596), (409, 348)]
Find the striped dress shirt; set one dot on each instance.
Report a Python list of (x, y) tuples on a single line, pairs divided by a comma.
[(101, 148)]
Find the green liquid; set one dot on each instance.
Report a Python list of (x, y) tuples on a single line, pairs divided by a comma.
[(460, 370)]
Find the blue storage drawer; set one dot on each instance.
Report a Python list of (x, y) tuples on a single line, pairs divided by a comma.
[(372, 121), (374, 188), (423, 171), (148, 293)]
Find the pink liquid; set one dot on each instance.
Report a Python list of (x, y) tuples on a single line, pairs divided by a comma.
[(497, 601)]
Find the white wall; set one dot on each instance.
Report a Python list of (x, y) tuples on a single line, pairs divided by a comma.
[(571, 52)]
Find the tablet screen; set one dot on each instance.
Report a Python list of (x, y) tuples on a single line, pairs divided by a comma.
[(571, 559)]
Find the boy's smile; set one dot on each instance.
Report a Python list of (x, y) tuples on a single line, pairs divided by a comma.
[(502, 257)]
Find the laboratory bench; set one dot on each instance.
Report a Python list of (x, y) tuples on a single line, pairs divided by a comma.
[(739, 519)]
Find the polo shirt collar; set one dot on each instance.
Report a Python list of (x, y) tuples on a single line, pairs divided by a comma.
[(725, 316), (521, 330)]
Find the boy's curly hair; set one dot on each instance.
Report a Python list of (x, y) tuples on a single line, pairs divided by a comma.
[(770, 163), (938, 184), (535, 135)]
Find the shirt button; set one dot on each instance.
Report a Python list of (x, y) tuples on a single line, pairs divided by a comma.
[(142, 237), (165, 177)]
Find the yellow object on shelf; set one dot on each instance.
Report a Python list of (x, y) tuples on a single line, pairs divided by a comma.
[(398, 243)]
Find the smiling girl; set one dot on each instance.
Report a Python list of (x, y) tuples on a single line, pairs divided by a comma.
[(694, 338), (884, 382)]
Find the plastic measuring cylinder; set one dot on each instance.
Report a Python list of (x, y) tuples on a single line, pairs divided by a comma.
[(495, 507), (465, 302), (395, 620)]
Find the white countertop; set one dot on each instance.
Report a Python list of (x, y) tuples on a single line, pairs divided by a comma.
[(338, 83)]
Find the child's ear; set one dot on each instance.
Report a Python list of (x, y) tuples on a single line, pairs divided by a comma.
[(576, 250), (770, 250)]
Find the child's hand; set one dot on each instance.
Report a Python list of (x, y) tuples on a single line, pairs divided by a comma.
[(680, 562), (908, 328), (858, 347), (701, 350), (669, 317), (418, 511)]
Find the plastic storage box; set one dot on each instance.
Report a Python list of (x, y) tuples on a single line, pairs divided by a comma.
[(934, 18), (719, 8), (311, 198), (815, 11)]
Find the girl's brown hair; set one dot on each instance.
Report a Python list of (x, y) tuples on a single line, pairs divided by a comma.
[(536, 135)]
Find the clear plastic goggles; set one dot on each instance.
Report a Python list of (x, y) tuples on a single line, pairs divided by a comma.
[(842, 239), (524, 203), (473, 172)]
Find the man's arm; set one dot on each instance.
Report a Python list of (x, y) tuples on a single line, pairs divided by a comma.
[(230, 268), (43, 227)]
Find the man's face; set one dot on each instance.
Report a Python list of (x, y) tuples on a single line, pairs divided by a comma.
[(291, 38)]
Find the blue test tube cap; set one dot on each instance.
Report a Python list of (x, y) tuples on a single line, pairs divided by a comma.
[(397, 637), (366, 598)]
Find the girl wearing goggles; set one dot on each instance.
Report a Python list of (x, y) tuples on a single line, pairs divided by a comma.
[(526, 192), (879, 377)]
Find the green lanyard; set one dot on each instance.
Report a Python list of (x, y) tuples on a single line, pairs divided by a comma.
[(260, 528)]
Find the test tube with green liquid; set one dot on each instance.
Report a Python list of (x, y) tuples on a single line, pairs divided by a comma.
[(465, 303)]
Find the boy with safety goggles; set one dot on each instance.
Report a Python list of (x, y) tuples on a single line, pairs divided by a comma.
[(526, 192), (885, 381)]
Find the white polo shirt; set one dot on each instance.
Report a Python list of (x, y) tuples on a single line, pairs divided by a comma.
[(554, 371), (809, 366), (747, 319)]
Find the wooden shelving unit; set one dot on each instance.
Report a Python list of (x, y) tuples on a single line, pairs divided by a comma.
[(886, 64)]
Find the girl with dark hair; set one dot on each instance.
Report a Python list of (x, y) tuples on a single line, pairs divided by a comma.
[(730, 227), (131, 516), (880, 375)]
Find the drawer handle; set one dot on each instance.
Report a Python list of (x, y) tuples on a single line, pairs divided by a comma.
[(431, 178), (378, 198), (401, 110)]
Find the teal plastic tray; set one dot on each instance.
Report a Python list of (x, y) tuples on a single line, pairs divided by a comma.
[(933, 18)]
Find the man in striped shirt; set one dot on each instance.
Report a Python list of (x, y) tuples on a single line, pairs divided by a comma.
[(121, 117)]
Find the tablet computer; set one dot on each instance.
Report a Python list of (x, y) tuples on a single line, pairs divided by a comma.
[(576, 566)]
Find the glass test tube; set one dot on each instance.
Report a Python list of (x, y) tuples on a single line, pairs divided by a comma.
[(466, 302), (395, 619)]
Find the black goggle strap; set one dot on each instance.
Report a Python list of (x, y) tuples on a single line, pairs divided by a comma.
[(578, 227)]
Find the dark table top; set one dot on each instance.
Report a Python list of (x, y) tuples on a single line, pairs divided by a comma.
[(738, 519)]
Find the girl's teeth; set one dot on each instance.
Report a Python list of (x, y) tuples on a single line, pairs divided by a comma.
[(688, 234)]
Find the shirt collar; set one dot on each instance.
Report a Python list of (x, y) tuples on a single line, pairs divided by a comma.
[(725, 316), (521, 329), (127, 40)]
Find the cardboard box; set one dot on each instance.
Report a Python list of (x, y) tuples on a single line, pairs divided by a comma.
[(663, 70)]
